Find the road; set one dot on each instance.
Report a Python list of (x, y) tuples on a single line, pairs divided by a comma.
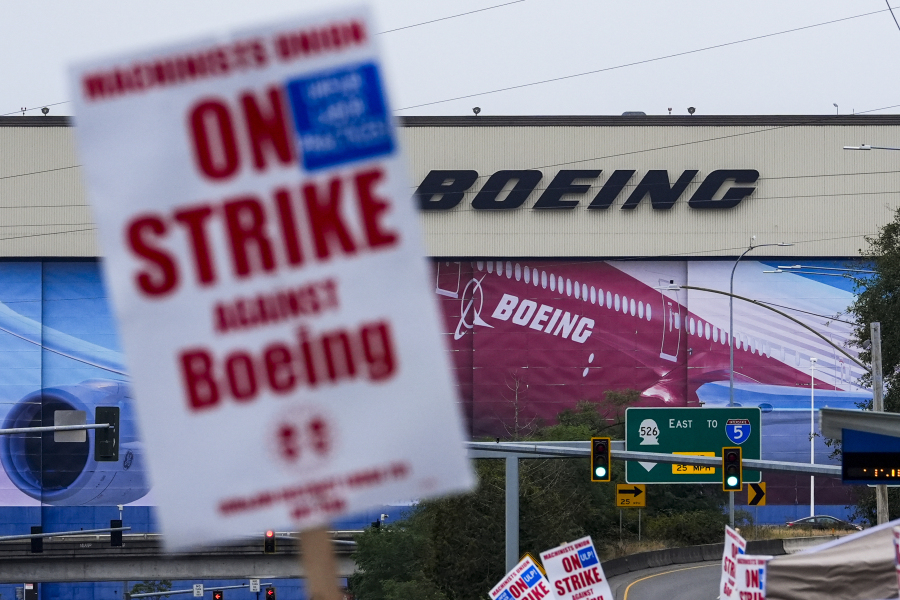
[(698, 581)]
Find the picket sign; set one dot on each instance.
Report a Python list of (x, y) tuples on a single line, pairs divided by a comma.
[(575, 573), (750, 577), (524, 582), (896, 537), (735, 545), (266, 267)]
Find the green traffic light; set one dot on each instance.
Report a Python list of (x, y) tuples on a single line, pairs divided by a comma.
[(600, 472), (732, 481)]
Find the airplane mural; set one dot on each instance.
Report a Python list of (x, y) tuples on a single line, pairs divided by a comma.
[(49, 314), (529, 338)]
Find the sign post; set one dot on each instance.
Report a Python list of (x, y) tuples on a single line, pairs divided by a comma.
[(266, 269), (690, 431)]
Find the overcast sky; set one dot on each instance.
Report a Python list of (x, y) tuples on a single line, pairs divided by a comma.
[(851, 63)]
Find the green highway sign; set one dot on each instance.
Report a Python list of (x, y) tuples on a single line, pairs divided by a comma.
[(690, 431)]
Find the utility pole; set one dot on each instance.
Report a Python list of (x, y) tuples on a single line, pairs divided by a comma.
[(881, 496)]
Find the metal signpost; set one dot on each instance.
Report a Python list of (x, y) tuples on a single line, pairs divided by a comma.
[(631, 496), (692, 432)]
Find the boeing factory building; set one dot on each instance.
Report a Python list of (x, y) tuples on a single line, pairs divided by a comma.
[(572, 256)]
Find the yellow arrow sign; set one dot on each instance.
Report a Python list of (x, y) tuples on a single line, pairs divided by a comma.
[(631, 495), (756, 495)]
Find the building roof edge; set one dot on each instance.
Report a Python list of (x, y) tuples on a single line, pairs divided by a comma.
[(650, 121)]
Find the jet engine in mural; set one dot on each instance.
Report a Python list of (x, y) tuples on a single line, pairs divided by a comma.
[(59, 469)]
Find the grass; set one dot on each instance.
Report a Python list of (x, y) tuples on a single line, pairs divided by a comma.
[(778, 532)]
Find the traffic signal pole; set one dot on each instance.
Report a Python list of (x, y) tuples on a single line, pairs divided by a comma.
[(512, 512), (881, 495)]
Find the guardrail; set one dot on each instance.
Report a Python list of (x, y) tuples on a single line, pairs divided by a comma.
[(91, 558)]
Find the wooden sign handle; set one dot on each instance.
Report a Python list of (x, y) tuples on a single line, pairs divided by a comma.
[(318, 560)]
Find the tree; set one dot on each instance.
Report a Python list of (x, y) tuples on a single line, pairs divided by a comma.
[(878, 300), (146, 587), (454, 548)]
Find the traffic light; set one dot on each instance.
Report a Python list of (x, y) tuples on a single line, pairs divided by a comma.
[(270, 593), (37, 543), (106, 441), (218, 595), (600, 457), (732, 470), (115, 537), (269, 546)]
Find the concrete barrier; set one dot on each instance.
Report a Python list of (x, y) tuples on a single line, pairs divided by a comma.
[(794, 545), (702, 553)]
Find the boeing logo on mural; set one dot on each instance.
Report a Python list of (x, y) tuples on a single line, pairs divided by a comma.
[(509, 189), (737, 430), (467, 304)]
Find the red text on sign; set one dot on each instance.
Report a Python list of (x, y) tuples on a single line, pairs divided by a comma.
[(299, 440), (338, 216), (245, 312), (311, 359), (311, 42), (729, 567), (578, 581), (520, 589), (176, 69), (216, 126), (571, 563)]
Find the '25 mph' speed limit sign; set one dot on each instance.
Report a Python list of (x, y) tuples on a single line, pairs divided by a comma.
[(266, 268)]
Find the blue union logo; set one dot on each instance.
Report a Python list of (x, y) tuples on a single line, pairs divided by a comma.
[(340, 116), (737, 430)]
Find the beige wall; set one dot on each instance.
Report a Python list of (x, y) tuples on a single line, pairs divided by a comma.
[(42, 202), (810, 192)]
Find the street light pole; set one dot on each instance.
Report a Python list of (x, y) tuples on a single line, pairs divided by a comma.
[(868, 147), (812, 434), (881, 497), (731, 342), (731, 314)]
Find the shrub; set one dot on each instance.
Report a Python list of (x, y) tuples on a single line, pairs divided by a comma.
[(688, 528)]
